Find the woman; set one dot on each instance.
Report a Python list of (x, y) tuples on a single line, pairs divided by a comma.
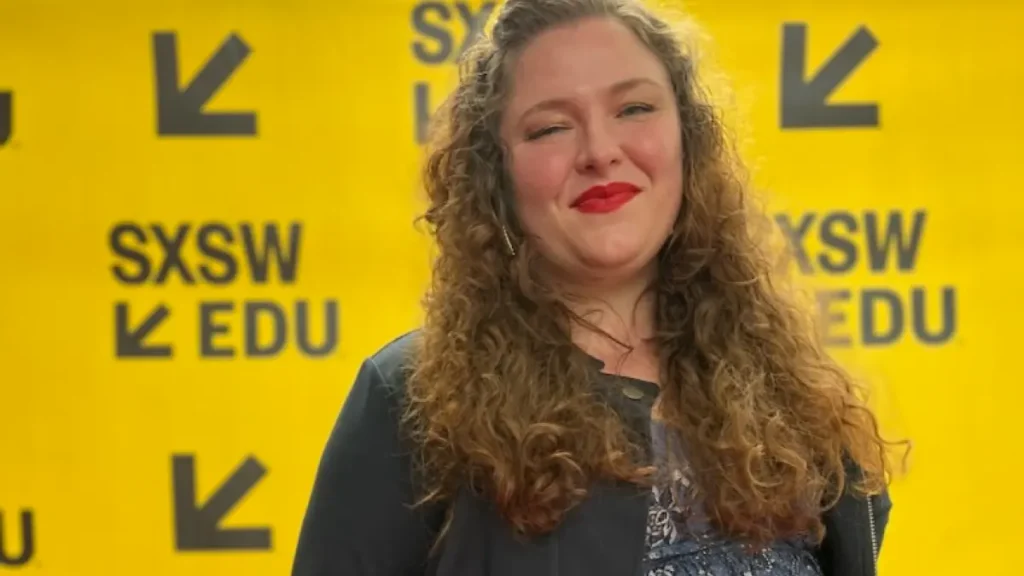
[(607, 382)]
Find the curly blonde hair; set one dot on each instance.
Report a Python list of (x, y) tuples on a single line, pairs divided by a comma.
[(499, 399)]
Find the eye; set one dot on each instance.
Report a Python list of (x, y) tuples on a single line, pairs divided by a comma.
[(536, 134), (636, 108)]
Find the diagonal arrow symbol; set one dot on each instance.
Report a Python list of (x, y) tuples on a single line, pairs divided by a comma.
[(6, 116), (805, 104), (131, 342), (197, 527), (181, 112)]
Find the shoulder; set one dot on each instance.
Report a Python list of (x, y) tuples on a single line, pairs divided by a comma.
[(391, 362), (372, 407), (382, 374), (376, 392), (361, 517)]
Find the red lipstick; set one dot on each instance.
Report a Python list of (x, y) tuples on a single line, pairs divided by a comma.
[(605, 198)]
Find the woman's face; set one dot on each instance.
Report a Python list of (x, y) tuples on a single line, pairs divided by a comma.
[(595, 150)]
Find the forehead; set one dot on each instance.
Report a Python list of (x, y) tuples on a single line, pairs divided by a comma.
[(579, 60)]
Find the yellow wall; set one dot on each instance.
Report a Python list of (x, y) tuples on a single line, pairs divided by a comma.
[(90, 440)]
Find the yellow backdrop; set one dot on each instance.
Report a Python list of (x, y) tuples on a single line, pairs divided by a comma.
[(205, 214)]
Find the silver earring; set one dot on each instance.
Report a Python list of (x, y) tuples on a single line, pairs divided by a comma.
[(508, 241)]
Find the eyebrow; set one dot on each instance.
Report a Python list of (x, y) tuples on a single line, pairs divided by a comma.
[(617, 88)]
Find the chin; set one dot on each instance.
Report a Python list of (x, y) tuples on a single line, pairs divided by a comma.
[(617, 263)]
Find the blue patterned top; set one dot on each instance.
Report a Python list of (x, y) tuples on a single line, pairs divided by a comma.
[(680, 543)]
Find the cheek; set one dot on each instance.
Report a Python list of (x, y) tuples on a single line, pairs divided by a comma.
[(658, 152), (539, 173)]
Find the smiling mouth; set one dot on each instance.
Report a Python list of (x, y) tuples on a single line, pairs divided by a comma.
[(605, 198)]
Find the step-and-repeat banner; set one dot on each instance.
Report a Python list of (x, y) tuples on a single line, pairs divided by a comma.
[(206, 224)]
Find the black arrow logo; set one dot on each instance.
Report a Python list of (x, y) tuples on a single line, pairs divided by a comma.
[(6, 116), (131, 342), (197, 527), (805, 104), (181, 112)]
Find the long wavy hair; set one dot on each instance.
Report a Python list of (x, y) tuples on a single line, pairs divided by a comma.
[(500, 401)]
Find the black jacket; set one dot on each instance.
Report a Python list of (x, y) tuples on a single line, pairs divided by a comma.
[(359, 521)]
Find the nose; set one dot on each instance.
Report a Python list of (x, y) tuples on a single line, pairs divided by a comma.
[(599, 148)]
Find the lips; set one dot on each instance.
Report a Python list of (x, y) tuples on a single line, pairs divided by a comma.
[(605, 198)]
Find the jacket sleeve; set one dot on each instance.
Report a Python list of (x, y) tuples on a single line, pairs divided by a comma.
[(359, 520), (846, 549), (882, 507)]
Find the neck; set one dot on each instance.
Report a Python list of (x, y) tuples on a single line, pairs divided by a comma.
[(622, 314)]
